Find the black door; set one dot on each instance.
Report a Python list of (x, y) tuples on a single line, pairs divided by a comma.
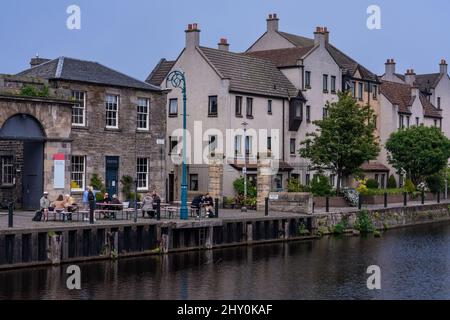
[(112, 175), (171, 187), (32, 174)]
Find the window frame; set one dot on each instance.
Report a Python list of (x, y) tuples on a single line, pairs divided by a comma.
[(325, 83), (10, 165), (307, 79), (173, 114), (333, 84), (269, 106), (116, 111), (308, 114), (145, 173), (360, 91), (191, 176), (210, 105), (82, 173), (292, 146), (249, 106), (238, 106), (77, 106), (147, 114), (375, 92)]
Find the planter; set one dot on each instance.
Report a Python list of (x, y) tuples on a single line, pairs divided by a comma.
[(335, 202)]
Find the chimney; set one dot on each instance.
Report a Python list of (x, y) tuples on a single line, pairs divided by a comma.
[(443, 67), (192, 36), (37, 61), (410, 77), (272, 23), (321, 36), (389, 68), (224, 45)]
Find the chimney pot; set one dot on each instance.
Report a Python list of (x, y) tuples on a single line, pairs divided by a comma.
[(270, 16), (192, 36), (272, 23), (443, 67), (275, 16), (224, 45)]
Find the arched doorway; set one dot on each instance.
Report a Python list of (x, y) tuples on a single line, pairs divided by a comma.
[(22, 139)]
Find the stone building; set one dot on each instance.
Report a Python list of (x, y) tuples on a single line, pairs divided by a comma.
[(64, 120)]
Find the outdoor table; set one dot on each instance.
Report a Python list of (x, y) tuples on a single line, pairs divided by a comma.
[(109, 210)]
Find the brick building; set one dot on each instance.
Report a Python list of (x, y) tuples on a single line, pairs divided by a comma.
[(86, 119)]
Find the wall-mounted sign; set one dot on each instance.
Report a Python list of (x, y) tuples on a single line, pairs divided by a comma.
[(160, 141), (59, 165), (273, 197)]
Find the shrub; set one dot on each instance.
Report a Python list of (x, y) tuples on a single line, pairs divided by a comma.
[(392, 183), (31, 91), (364, 223), (97, 183), (372, 184), (409, 186), (303, 231), (127, 187), (320, 186), (436, 183), (238, 185), (362, 186), (351, 196)]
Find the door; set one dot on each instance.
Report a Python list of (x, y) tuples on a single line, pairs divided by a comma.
[(32, 174), (171, 187), (112, 175)]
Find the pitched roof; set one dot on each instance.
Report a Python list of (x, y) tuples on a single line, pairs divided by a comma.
[(249, 74), (160, 72), (70, 69), (346, 63), (374, 166), (398, 94), (282, 57), (427, 81), (401, 94)]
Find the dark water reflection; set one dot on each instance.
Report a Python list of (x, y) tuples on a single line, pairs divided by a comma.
[(414, 262)]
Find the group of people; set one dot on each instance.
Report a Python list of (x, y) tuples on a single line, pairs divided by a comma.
[(62, 203), (205, 201), (150, 204)]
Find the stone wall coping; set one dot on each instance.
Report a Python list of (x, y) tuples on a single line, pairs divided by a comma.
[(61, 102)]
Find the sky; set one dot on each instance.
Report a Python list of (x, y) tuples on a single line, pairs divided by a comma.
[(132, 36)]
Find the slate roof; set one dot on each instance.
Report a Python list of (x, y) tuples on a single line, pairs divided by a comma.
[(70, 69), (346, 63), (401, 94), (427, 81), (249, 74), (374, 167), (282, 57), (160, 72)]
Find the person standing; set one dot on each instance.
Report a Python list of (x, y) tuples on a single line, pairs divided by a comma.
[(91, 199), (85, 199)]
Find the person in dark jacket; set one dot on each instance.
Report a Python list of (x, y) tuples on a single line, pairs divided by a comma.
[(209, 205), (91, 199)]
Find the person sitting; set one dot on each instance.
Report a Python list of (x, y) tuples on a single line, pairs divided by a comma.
[(147, 206), (60, 205), (71, 205), (44, 204), (196, 204), (209, 206)]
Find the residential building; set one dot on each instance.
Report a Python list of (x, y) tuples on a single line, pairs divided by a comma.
[(91, 120)]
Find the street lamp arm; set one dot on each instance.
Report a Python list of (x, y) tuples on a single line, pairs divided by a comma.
[(177, 79)]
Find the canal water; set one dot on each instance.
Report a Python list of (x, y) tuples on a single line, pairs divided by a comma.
[(414, 262)]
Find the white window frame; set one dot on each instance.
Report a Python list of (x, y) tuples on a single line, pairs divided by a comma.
[(147, 113), (145, 173), (109, 104), (9, 165), (238, 145), (83, 173), (83, 108), (173, 114)]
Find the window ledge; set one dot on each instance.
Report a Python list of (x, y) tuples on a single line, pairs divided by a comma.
[(113, 129), (173, 115), (239, 116), (249, 117), (80, 127), (7, 186), (213, 115), (142, 130)]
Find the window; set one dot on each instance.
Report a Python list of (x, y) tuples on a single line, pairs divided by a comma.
[(193, 182), (292, 147), (308, 179), (212, 106), (77, 173), (279, 182), (353, 89), (269, 106), (308, 114), (407, 121), (325, 83), (435, 123), (360, 90), (249, 109), (238, 108), (298, 110), (439, 102), (417, 121), (401, 123), (308, 79), (333, 84), (142, 173), (79, 109), (248, 145), (375, 92), (332, 180), (237, 145), (325, 112), (143, 109), (112, 111), (212, 144), (173, 142), (173, 107), (375, 121), (383, 181), (7, 172), (269, 143)]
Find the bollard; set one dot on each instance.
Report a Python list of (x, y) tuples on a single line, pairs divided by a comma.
[(360, 202), (158, 210), (327, 204), (405, 199), (385, 200), (10, 214), (216, 206), (423, 197), (266, 207), (439, 197)]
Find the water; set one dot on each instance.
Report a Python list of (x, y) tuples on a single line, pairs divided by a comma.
[(415, 264)]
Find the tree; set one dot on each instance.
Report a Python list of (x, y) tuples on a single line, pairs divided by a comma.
[(419, 151), (343, 140), (392, 183)]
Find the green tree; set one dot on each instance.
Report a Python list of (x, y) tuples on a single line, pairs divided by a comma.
[(420, 151), (343, 140), (320, 186), (392, 183)]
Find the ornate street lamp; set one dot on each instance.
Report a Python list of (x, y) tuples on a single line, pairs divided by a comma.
[(178, 80)]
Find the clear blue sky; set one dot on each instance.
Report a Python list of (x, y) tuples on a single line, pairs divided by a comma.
[(131, 36)]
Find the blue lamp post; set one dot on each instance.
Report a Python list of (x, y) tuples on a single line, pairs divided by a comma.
[(178, 80)]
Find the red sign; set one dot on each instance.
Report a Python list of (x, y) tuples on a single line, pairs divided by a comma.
[(59, 156)]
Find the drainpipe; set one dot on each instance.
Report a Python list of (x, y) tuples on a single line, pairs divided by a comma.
[(283, 129)]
